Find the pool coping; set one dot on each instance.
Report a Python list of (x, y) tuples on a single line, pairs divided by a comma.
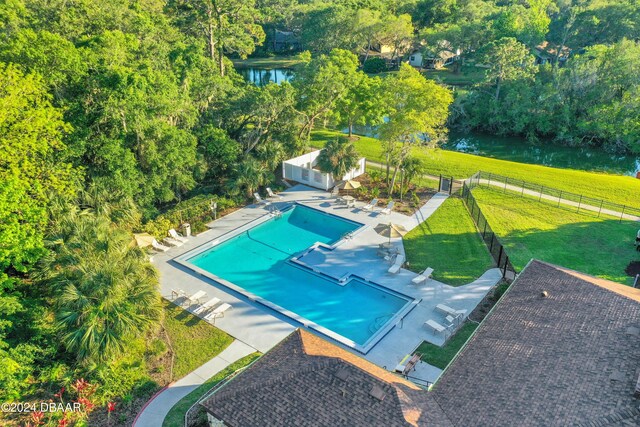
[(362, 348)]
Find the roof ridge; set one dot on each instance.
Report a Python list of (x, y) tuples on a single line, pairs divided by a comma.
[(617, 288)]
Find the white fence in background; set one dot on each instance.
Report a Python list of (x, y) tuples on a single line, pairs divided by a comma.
[(302, 169)]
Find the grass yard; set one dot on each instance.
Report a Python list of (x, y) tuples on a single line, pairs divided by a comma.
[(530, 229), (175, 417), (469, 75), (424, 181), (441, 356), (194, 341), (267, 62), (449, 243), (614, 188)]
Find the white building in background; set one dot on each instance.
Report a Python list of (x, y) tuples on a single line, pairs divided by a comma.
[(303, 169)]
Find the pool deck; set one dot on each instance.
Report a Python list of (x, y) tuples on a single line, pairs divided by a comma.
[(261, 328)]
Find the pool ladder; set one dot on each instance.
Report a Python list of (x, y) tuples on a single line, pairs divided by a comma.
[(379, 322), (275, 212)]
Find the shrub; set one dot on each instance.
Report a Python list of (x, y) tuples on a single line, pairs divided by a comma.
[(374, 66)]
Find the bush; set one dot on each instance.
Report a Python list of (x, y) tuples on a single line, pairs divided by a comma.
[(374, 66), (195, 211)]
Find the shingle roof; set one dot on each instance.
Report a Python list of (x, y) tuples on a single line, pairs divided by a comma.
[(571, 358), (307, 381)]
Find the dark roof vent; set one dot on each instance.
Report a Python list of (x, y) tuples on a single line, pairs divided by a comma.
[(342, 374), (377, 392)]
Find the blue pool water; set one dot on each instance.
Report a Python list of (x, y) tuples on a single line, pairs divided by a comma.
[(257, 261)]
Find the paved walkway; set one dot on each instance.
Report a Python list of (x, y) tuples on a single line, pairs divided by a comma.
[(517, 189), (156, 410)]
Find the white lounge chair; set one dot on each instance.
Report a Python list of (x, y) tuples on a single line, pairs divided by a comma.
[(437, 327), (196, 297), (172, 242), (273, 195), (260, 200), (372, 204), (395, 268), (387, 210), (422, 277), (159, 247), (177, 236), (207, 305), (218, 312), (445, 309)]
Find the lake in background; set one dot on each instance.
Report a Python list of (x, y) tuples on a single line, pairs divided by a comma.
[(262, 76), (519, 150)]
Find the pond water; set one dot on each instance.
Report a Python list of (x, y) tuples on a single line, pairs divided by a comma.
[(519, 150), (262, 76)]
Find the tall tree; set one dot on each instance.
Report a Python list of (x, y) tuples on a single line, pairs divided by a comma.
[(229, 25), (418, 112), (320, 83), (509, 60), (362, 105)]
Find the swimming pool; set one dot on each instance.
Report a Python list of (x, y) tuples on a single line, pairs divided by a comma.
[(260, 262)]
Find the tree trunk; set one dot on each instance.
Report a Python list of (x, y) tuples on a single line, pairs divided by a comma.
[(350, 130), (212, 44), (499, 83), (401, 183), (393, 181), (366, 55)]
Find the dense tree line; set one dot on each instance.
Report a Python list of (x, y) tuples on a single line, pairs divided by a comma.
[(575, 99), (111, 113)]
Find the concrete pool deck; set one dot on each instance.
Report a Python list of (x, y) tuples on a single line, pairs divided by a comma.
[(262, 328)]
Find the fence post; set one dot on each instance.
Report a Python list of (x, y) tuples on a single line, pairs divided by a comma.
[(484, 232), (579, 203), (559, 198), (489, 179), (440, 184), (541, 188), (601, 202), (622, 214), (505, 184), (451, 186), (500, 256), (493, 235), (523, 185), (504, 269)]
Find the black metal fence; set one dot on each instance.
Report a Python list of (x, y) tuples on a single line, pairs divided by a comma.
[(554, 196), (496, 248), (449, 185)]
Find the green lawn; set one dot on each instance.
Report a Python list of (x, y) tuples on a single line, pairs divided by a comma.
[(530, 229), (194, 341), (267, 62), (614, 188), (468, 75), (425, 181), (441, 356), (449, 243), (175, 417)]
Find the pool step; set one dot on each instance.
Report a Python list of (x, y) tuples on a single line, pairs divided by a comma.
[(379, 322)]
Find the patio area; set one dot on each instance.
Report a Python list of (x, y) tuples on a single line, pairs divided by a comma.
[(262, 328)]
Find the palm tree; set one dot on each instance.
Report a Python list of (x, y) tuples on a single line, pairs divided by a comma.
[(251, 173), (105, 291), (338, 157), (412, 168)]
